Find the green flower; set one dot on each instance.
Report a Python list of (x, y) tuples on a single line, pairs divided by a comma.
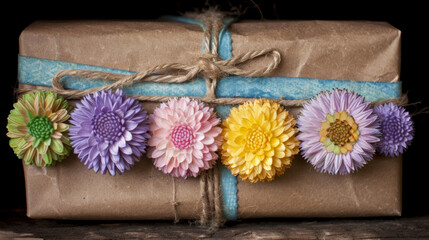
[(38, 130)]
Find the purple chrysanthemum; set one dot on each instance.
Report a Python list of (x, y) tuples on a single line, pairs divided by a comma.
[(396, 129), (109, 131), (338, 130)]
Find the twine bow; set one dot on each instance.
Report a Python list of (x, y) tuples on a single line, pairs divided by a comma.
[(208, 66)]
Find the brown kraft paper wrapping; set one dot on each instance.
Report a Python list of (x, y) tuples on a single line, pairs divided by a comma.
[(363, 51)]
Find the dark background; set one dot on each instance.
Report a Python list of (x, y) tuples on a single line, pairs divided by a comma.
[(409, 18)]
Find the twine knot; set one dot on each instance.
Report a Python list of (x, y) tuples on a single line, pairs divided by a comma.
[(208, 67)]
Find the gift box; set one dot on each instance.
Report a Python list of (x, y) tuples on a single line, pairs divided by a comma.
[(316, 56)]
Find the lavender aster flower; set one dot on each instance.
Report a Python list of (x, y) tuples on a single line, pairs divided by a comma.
[(396, 129), (109, 131), (338, 130)]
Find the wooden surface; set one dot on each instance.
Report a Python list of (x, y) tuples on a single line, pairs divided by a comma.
[(14, 225)]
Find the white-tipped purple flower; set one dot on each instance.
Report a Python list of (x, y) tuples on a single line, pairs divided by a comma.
[(109, 131), (338, 131), (396, 129)]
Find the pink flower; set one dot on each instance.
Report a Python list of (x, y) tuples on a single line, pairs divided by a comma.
[(185, 137)]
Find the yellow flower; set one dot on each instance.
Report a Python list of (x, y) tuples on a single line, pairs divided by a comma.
[(259, 140)]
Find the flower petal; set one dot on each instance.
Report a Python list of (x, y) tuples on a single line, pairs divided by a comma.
[(57, 146)]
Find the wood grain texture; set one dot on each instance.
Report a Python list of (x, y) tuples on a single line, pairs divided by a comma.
[(14, 225)]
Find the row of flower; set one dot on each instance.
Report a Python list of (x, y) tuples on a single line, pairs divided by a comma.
[(337, 131)]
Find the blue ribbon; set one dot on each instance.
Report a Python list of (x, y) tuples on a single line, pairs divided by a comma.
[(36, 71)]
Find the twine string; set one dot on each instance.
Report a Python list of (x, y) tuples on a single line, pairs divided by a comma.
[(204, 198), (174, 202), (213, 20)]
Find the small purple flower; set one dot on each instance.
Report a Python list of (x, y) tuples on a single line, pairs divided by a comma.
[(109, 131), (338, 131), (396, 129)]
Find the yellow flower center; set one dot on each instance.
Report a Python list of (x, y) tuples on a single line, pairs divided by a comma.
[(256, 139), (339, 132)]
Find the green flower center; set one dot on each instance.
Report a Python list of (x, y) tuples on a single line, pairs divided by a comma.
[(40, 127)]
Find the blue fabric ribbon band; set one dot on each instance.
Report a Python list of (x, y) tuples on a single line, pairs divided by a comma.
[(36, 71)]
